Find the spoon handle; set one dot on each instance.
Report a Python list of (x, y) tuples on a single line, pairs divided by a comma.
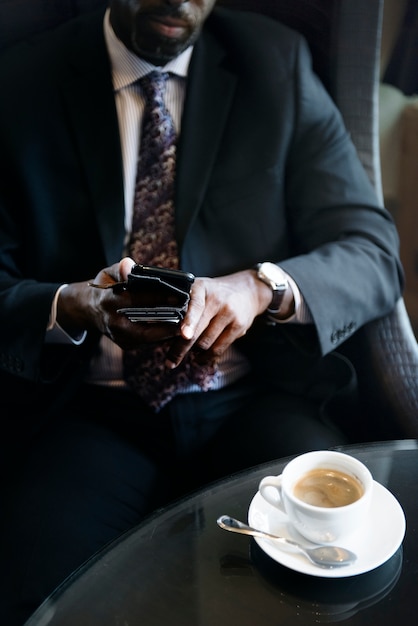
[(235, 526)]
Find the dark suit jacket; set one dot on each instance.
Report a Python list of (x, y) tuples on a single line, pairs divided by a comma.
[(266, 171)]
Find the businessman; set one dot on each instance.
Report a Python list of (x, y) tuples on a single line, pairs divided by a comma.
[(257, 191)]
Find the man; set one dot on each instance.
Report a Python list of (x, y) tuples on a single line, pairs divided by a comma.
[(275, 217)]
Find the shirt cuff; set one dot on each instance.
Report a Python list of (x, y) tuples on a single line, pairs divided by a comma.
[(301, 314), (55, 333)]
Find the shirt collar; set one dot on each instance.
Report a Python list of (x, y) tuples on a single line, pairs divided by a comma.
[(127, 67)]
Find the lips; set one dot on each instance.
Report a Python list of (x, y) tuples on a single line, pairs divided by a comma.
[(167, 25)]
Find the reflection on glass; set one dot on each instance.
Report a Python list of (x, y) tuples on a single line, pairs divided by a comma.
[(320, 600)]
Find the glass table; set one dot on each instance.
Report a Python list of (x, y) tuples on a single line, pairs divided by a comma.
[(179, 568)]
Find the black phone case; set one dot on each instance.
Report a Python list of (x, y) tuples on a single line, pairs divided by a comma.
[(164, 282)]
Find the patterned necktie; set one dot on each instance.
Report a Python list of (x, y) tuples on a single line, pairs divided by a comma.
[(153, 243)]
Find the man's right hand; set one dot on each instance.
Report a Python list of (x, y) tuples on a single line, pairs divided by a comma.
[(82, 306)]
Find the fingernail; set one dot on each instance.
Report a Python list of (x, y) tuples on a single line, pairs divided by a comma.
[(187, 332)]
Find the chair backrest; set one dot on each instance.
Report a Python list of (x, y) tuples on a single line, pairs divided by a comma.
[(344, 37), (23, 18)]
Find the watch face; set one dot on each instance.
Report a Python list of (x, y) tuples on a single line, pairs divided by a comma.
[(269, 272)]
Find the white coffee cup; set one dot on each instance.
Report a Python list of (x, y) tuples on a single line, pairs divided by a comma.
[(325, 494)]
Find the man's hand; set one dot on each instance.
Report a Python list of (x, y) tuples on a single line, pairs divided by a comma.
[(82, 306), (221, 310)]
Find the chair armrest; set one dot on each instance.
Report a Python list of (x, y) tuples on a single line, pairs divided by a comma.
[(385, 354)]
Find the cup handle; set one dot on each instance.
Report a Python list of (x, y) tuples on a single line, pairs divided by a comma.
[(270, 489)]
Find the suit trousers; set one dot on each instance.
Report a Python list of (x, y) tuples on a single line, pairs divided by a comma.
[(106, 461)]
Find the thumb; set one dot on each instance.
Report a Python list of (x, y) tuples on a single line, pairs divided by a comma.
[(125, 267)]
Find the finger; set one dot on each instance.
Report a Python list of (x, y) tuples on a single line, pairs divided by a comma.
[(178, 350), (195, 310), (125, 267)]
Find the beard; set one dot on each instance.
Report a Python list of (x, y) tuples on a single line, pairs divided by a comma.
[(156, 48)]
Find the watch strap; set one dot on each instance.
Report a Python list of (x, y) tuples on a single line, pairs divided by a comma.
[(278, 289), (276, 301)]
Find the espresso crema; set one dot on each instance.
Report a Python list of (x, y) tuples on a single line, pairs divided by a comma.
[(328, 488)]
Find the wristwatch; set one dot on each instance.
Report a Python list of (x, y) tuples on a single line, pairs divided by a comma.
[(275, 278)]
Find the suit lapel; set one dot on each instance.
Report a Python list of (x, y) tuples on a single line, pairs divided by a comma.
[(88, 93), (208, 97)]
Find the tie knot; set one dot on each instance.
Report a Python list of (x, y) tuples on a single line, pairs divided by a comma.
[(153, 84)]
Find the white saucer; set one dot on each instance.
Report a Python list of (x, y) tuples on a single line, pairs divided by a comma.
[(374, 545)]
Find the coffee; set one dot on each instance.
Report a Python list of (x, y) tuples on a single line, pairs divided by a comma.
[(328, 488)]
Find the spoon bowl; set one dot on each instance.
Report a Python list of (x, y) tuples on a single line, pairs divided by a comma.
[(323, 556)]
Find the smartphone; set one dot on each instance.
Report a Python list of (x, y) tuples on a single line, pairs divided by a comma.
[(172, 279), (162, 281)]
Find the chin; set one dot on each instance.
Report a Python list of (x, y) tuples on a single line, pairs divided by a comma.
[(160, 55), (161, 51)]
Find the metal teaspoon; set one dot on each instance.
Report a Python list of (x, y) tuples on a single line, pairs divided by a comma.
[(324, 556)]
